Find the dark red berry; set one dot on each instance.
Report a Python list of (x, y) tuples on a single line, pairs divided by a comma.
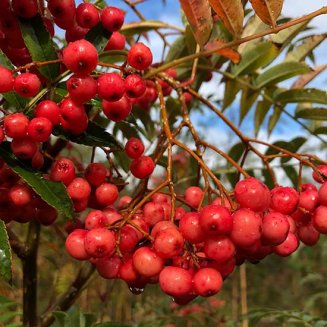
[(116, 42), (135, 86), (24, 148), (118, 110), (6, 80), (63, 170), (96, 173), (111, 87), (87, 15)]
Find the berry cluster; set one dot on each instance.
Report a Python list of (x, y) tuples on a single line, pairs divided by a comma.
[(190, 254)]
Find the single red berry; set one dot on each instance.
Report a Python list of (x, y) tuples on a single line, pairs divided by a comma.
[(7, 80), (75, 244), (117, 110), (135, 86), (64, 12), (81, 88), (24, 148), (193, 196), (219, 248), (146, 262), (188, 98), (79, 189), (309, 200), (207, 282), (106, 194), (139, 56), (111, 87), (134, 148), (50, 110), (81, 57), (100, 242), (284, 199), (25, 8), (319, 220), (160, 226), (39, 129), (189, 226), (63, 170), (16, 125), (142, 167), (168, 243), (75, 33), (27, 85), (179, 213), (124, 201), (116, 42), (153, 213), (308, 235), (253, 194), (323, 194), (9, 25), (112, 18), (87, 15), (112, 215), (128, 239), (222, 202), (127, 271), (96, 219), (2, 136), (289, 246), (108, 267), (96, 173), (323, 171), (20, 195)]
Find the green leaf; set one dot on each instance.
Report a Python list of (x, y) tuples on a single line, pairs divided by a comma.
[(300, 52), (62, 318), (232, 87), (40, 45), (280, 73), (86, 319), (285, 36), (113, 56), (98, 36), (95, 135), (54, 193), (247, 100), (122, 160), (321, 130), (273, 119), (255, 57), (302, 95), (312, 113), (5, 254), (293, 146), (177, 49), (236, 151), (142, 27), (292, 174), (260, 114)]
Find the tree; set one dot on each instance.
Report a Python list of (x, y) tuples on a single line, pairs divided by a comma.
[(103, 145)]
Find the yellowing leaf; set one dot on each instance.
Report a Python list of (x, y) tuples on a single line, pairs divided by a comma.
[(267, 10), (229, 53), (231, 13), (198, 14)]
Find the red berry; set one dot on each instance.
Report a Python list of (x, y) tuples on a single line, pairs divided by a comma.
[(96, 219), (127, 271), (219, 248), (216, 220), (116, 42), (323, 172), (146, 262), (153, 213), (134, 148), (2, 137), (46, 214), (175, 281), (142, 167), (63, 11), (108, 267), (81, 57), (111, 87), (81, 88), (75, 32), (99, 242), (207, 282), (39, 129), (168, 243), (323, 194), (309, 200), (6, 80), (139, 56), (135, 86), (193, 196), (289, 246), (222, 202), (16, 125), (24, 148), (253, 194), (75, 244), (50, 110), (20, 195), (63, 170), (124, 201), (308, 186), (96, 173), (87, 15), (112, 18), (308, 234), (27, 85), (25, 8), (106, 194), (79, 189), (189, 226), (117, 110), (319, 219), (162, 225), (284, 199), (128, 239)]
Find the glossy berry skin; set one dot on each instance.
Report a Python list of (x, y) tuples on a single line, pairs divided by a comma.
[(142, 167), (323, 171), (39, 129), (189, 226), (322, 193), (253, 194), (309, 200), (6, 80), (16, 125), (20, 195), (63, 11), (87, 15), (25, 8), (79, 189), (247, 226), (81, 88), (116, 42), (24, 148), (95, 173), (146, 262), (307, 234), (135, 86), (319, 220), (289, 246), (111, 87), (75, 33), (27, 85), (175, 281), (127, 271), (75, 244), (81, 57), (284, 199), (117, 110), (168, 243), (50, 110), (62, 170), (153, 213), (193, 196), (100, 242), (134, 148), (128, 240), (139, 56), (219, 248), (106, 194), (112, 18), (207, 282), (108, 268), (216, 220), (96, 219), (275, 228)]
